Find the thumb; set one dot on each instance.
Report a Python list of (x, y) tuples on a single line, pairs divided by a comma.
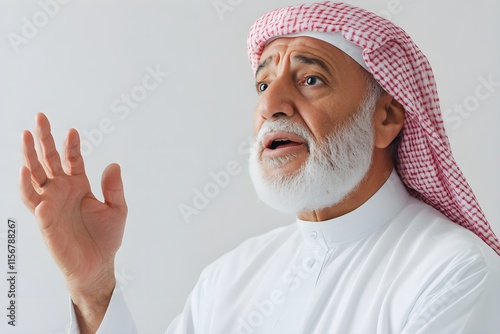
[(112, 187)]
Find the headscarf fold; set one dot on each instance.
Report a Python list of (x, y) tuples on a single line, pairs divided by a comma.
[(425, 162)]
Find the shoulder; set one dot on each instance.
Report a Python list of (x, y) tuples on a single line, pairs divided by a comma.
[(429, 231), (444, 253), (453, 274)]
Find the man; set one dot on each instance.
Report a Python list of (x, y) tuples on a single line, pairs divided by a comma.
[(348, 136)]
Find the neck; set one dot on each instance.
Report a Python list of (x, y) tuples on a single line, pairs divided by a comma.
[(379, 172)]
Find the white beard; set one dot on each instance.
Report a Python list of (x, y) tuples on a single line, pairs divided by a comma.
[(332, 171)]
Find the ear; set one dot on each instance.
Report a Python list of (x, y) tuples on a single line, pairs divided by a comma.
[(388, 120)]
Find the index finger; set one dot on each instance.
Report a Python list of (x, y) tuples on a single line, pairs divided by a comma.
[(38, 174), (51, 159)]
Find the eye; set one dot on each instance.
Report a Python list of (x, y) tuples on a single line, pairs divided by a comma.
[(262, 86), (312, 80)]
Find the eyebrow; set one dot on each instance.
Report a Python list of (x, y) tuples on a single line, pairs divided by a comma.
[(312, 61), (263, 65), (298, 58)]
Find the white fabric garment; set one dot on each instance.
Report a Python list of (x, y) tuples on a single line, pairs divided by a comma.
[(394, 265)]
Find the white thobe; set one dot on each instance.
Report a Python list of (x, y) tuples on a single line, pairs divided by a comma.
[(394, 265)]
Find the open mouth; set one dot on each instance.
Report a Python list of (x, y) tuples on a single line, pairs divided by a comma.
[(281, 140)]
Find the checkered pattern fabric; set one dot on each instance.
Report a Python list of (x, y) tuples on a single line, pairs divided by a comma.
[(426, 164)]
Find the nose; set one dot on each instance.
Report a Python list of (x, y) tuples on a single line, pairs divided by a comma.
[(277, 100)]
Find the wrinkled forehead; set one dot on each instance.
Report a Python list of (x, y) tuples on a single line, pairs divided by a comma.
[(300, 52), (332, 38)]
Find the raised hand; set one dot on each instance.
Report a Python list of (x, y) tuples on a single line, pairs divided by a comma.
[(82, 233)]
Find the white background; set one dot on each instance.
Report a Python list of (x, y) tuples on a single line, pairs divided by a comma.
[(196, 121)]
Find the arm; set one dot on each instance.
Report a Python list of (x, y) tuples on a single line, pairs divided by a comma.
[(82, 233)]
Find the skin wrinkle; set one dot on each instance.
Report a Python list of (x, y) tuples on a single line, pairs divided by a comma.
[(262, 66), (323, 107), (306, 55), (332, 57), (333, 169)]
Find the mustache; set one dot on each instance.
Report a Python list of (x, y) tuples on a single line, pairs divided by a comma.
[(284, 125)]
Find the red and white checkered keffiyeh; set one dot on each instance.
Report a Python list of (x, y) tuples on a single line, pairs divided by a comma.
[(426, 165)]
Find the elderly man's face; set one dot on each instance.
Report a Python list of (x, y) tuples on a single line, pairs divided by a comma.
[(313, 125), (311, 83)]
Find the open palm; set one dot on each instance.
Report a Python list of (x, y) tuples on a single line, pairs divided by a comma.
[(82, 233)]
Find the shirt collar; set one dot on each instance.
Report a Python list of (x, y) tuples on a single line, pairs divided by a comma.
[(357, 224)]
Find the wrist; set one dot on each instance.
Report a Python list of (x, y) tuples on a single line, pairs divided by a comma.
[(91, 302)]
